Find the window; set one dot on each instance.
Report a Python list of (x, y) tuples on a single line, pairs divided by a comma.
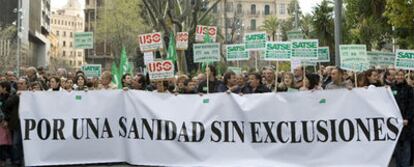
[(64, 33), (253, 9), (253, 24), (64, 54), (70, 44), (70, 34), (229, 7), (64, 43), (57, 33), (239, 8), (282, 9), (79, 54), (215, 9), (79, 63), (87, 2), (267, 10), (70, 62)]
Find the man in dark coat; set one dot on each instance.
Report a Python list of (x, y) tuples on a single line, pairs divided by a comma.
[(254, 85)]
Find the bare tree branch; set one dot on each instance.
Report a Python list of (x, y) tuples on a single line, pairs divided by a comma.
[(208, 11)]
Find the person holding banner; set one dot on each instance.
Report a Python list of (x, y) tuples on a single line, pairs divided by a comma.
[(106, 81), (213, 83), (54, 84), (372, 78), (254, 85), (269, 78), (126, 80), (404, 96), (68, 85), (80, 81), (338, 80), (230, 83), (312, 82), (287, 84), (389, 77), (298, 73)]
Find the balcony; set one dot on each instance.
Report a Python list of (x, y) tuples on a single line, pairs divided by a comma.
[(251, 14)]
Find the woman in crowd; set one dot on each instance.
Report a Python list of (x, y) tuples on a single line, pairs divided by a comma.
[(36, 86), (312, 82), (287, 84), (126, 80), (404, 96), (54, 84), (80, 81), (162, 87), (68, 85), (372, 78)]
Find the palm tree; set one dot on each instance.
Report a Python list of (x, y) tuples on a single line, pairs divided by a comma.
[(323, 22), (271, 25)]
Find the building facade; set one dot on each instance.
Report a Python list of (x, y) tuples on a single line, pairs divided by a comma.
[(101, 53), (65, 23), (248, 15)]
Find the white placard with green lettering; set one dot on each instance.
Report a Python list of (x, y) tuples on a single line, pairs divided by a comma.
[(92, 70), (255, 41), (278, 51), (236, 52), (83, 40), (381, 59), (236, 70), (404, 59), (323, 55), (295, 34), (305, 49), (206, 52), (354, 57)]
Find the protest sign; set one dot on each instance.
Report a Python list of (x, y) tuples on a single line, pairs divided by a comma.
[(92, 70), (381, 59), (255, 41), (206, 52), (236, 52), (148, 57), (404, 59), (295, 63), (150, 42), (354, 57), (202, 30), (295, 34), (323, 55), (83, 40), (305, 49), (181, 40), (278, 51), (341, 127), (159, 70)]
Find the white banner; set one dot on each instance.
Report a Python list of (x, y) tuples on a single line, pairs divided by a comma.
[(322, 128)]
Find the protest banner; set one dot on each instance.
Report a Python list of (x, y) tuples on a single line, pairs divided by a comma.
[(236, 70), (236, 52), (305, 49), (92, 70), (404, 59), (159, 70), (278, 51), (354, 57), (148, 57), (341, 127), (295, 34), (202, 30), (255, 41), (181, 41), (206, 52), (381, 59), (150, 42), (83, 40)]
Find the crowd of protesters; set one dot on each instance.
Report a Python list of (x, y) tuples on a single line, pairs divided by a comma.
[(330, 77)]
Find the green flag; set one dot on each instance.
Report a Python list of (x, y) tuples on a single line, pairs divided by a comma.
[(115, 75), (124, 66), (172, 52)]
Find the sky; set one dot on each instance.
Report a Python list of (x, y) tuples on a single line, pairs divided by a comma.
[(305, 5)]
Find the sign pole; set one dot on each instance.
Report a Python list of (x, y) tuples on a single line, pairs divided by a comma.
[(208, 78), (356, 79), (277, 75)]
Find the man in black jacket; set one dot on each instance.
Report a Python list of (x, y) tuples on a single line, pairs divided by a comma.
[(254, 85), (403, 94)]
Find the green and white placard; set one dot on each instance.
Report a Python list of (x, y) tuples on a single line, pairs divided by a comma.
[(92, 70), (83, 40), (236, 52), (305, 49), (354, 57), (278, 51), (206, 52), (381, 59), (255, 41), (323, 54), (404, 59), (295, 34)]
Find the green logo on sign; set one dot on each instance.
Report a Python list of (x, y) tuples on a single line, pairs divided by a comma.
[(322, 101), (205, 101), (78, 97)]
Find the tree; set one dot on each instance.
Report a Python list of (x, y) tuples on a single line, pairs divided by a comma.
[(401, 16), (288, 24), (177, 16), (365, 23), (119, 24), (323, 23), (8, 48), (271, 25)]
